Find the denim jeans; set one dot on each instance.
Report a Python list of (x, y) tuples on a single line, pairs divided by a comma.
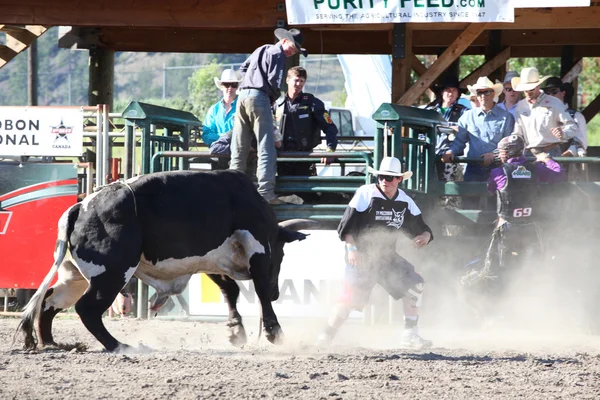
[(254, 118)]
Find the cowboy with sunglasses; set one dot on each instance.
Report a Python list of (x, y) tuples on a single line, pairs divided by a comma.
[(372, 223), (511, 96), (542, 120), (564, 91), (218, 122), (482, 127)]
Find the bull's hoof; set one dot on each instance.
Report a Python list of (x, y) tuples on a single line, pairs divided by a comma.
[(274, 334), (237, 335)]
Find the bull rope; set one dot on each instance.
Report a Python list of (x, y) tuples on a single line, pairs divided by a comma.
[(133, 194)]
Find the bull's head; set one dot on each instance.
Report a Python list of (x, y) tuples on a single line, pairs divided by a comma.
[(288, 232)]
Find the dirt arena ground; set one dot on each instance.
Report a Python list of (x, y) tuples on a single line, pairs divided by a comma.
[(192, 360)]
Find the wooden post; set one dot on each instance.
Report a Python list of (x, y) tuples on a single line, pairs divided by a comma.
[(102, 72), (567, 62), (492, 50), (402, 60)]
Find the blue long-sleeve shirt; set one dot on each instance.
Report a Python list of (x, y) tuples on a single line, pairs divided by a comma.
[(217, 122), (482, 130)]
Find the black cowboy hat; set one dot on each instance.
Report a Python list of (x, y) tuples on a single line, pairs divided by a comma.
[(449, 81), (553, 82), (294, 36)]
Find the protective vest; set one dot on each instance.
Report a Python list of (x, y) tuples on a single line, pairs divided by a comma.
[(516, 199), (307, 135)]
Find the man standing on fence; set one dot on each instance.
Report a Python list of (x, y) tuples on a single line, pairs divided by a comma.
[(260, 87), (371, 225)]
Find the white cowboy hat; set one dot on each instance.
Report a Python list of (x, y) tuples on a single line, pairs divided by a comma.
[(529, 79), (484, 83), (390, 166), (228, 75)]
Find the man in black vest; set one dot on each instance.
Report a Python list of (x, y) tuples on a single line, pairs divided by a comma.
[(300, 118), (516, 238)]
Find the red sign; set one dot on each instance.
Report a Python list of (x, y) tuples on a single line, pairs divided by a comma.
[(29, 217)]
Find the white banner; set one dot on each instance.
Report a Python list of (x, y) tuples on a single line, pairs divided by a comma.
[(550, 3), (41, 131), (314, 12)]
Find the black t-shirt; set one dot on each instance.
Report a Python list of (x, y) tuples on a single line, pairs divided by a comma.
[(375, 221)]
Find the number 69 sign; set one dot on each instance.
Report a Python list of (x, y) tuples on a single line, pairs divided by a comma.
[(522, 212)]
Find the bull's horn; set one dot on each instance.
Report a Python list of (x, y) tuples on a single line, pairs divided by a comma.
[(298, 224)]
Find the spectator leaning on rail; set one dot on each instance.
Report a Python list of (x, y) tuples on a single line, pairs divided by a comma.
[(564, 91), (516, 240), (542, 120), (482, 127), (300, 118), (263, 73), (218, 123), (371, 226), (446, 103), (511, 96)]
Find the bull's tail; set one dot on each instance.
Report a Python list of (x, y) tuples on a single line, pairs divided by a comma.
[(31, 314)]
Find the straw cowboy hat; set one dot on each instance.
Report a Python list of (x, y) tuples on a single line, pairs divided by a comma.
[(294, 36), (484, 83), (390, 166), (529, 79), (227, 76)]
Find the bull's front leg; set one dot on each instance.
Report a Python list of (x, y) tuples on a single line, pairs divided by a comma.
[(266, 294), (231, 292)]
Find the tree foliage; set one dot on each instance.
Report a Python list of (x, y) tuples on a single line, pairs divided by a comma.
[(202, 89)]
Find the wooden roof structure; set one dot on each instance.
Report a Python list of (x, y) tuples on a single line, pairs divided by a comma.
[(239, 26)]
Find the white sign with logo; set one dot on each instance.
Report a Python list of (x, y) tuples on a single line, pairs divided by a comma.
[(41, 131), (314, 12), (550, 3)]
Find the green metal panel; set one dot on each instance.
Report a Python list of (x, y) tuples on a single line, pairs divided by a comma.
[(412, 115), (147, 115)]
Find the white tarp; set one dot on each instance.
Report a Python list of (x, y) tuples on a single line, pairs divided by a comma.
[(41, 131), (550, 3), (314, 12), (368, 84)]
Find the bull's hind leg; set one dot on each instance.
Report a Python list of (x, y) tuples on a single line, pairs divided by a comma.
[(95, 301), (231, 291), (62, 295)]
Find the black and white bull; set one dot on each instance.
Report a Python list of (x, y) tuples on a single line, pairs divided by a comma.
[(163, 228)]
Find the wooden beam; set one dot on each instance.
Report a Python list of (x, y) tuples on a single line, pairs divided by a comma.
[(243, 14), (486, 69), (522, 51), (592, 109), (448, 57), (573, 72), (417, 66), (420, 70), (149, 13)]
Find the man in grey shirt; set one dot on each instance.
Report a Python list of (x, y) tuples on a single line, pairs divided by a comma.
[(263, 73)]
